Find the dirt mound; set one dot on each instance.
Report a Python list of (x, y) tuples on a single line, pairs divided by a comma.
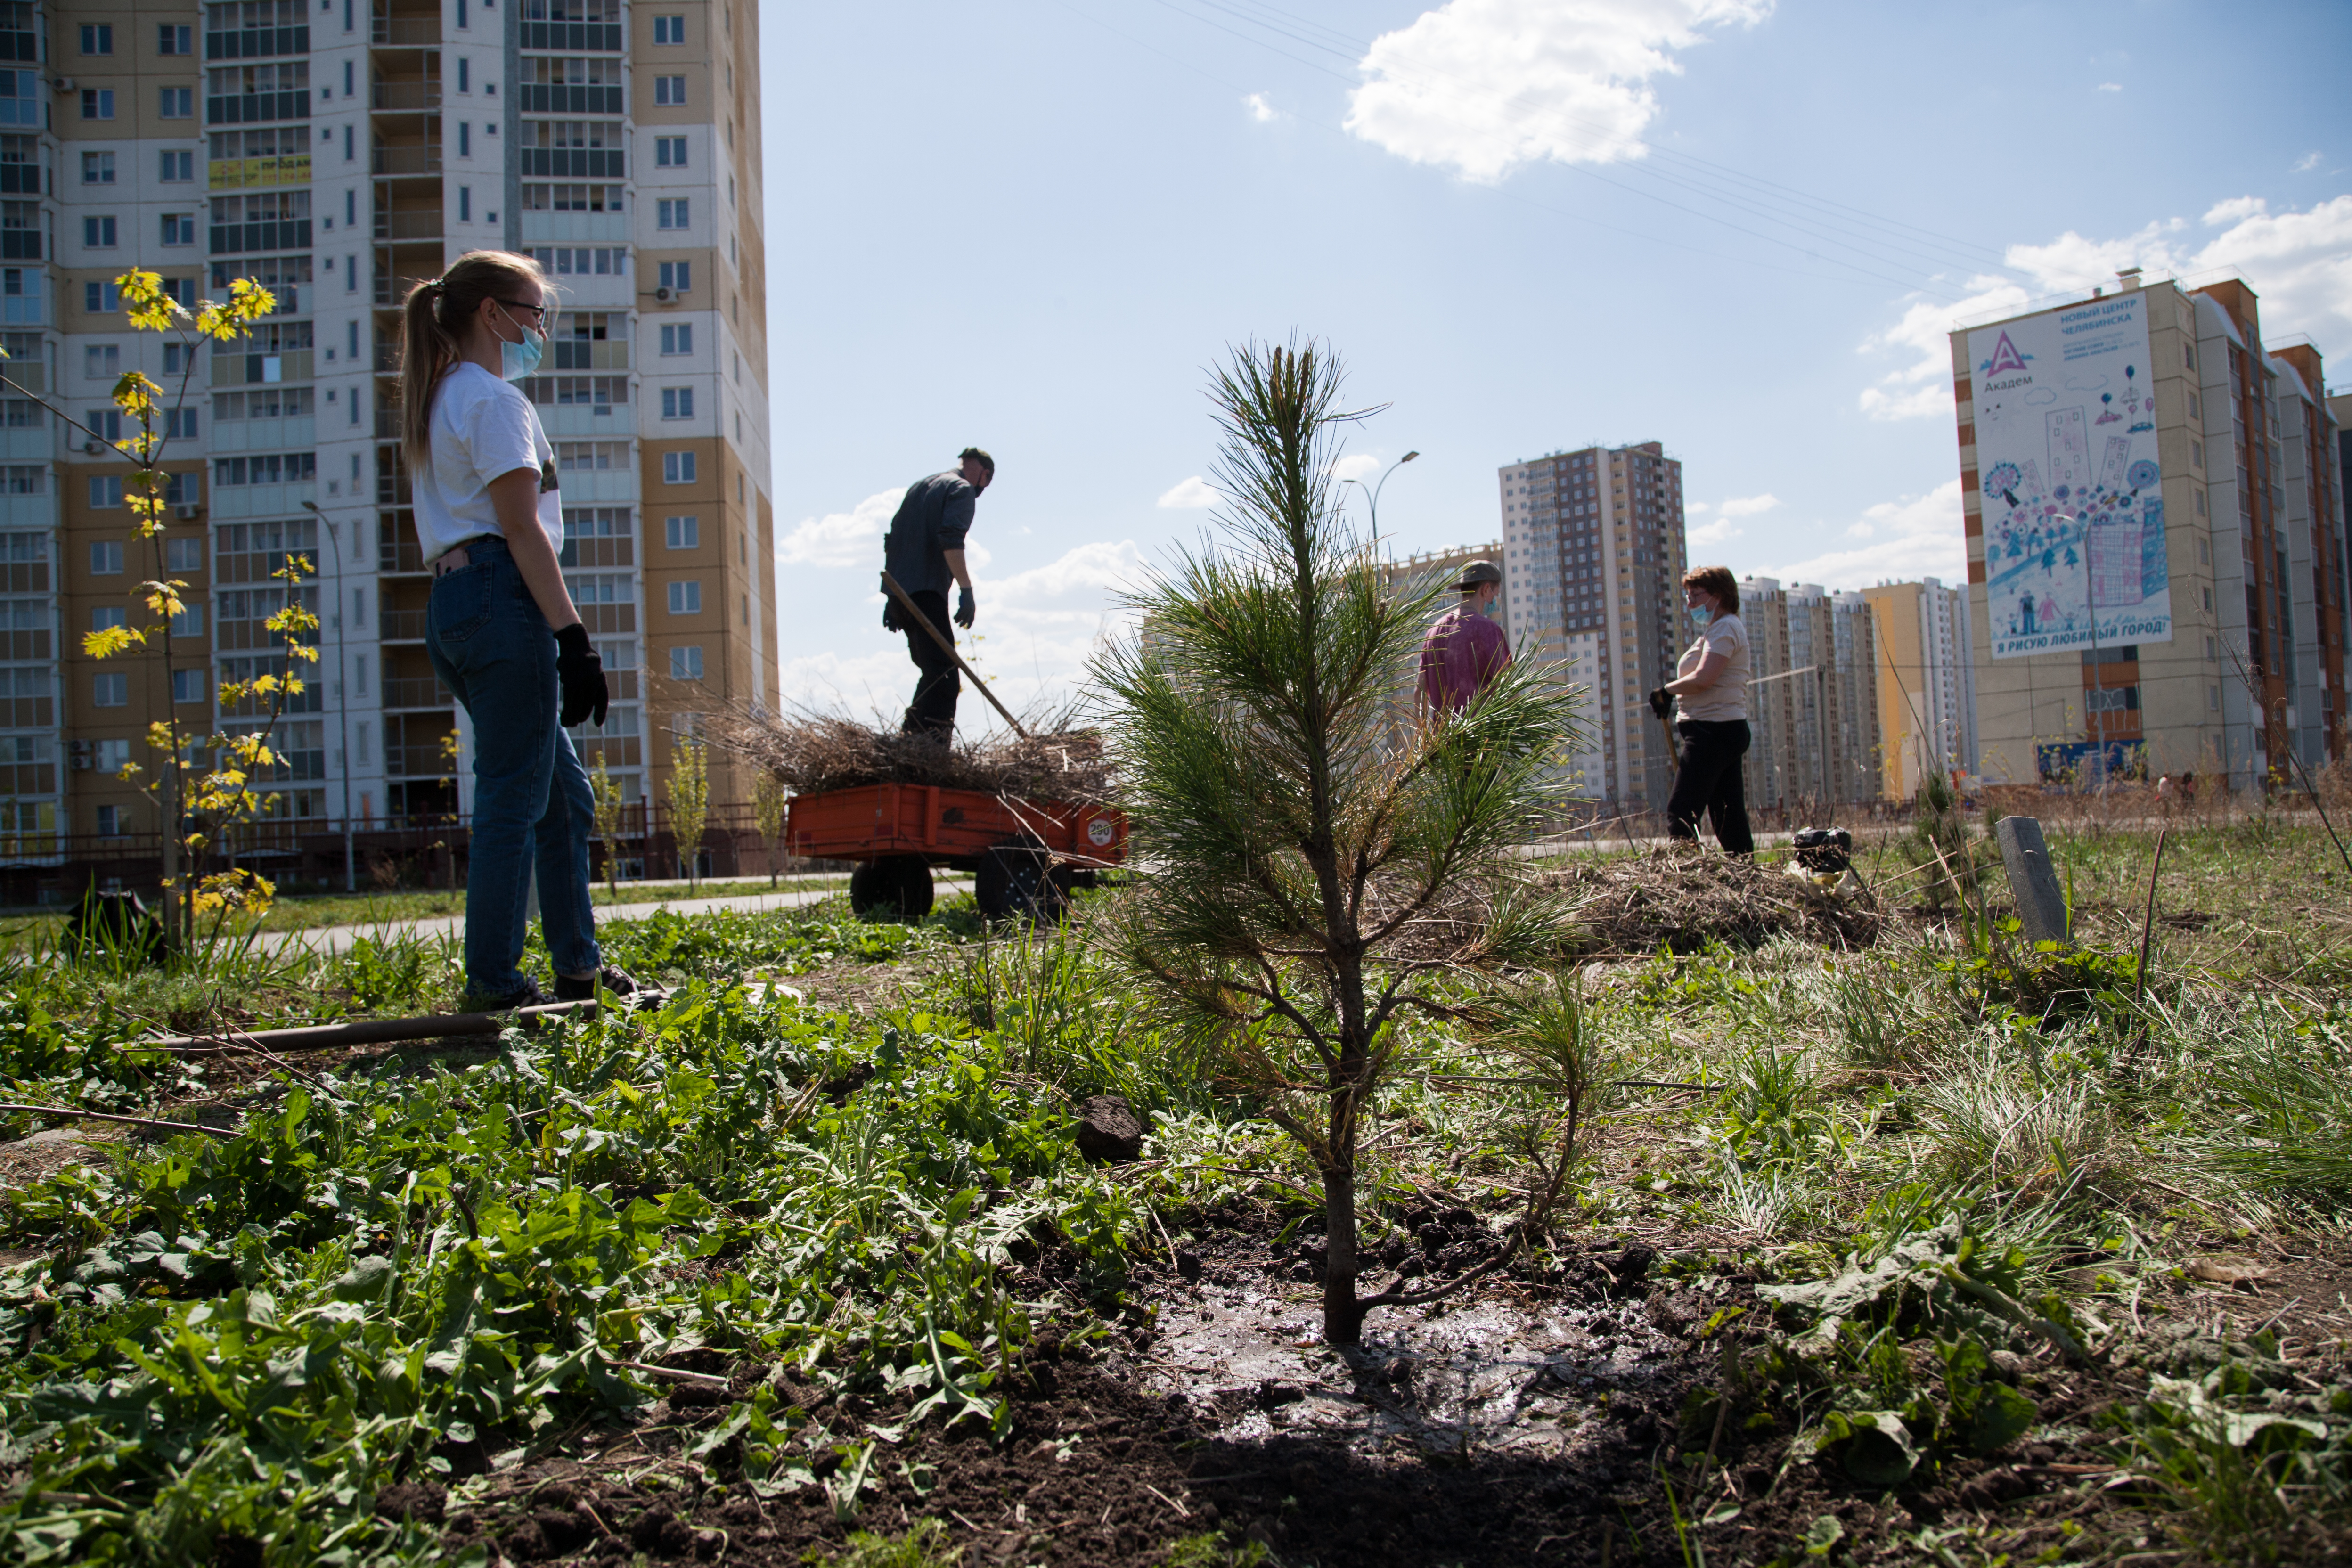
[(811, 753), (1686, 899)]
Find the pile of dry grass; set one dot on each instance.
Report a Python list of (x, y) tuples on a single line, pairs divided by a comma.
[(811, 753), (1686, 899)]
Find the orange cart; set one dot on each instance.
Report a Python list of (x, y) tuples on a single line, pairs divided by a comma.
[(1025, 855)]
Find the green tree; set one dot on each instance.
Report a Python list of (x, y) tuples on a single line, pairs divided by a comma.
[(203, 786), (689, 802), (770, 807), (606, 791), (1294, 836)]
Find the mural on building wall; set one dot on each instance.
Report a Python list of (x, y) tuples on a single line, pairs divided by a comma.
[(2073, 498)]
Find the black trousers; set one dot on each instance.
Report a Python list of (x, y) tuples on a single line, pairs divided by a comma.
[(1708, 781), (933, 709)]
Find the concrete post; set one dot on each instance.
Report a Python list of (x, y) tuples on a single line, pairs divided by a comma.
[(2033, 880)]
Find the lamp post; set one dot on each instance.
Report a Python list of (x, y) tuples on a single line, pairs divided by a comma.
[(1372, 493), (343, 704)]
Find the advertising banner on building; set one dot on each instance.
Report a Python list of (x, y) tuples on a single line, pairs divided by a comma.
[(2074, 494)]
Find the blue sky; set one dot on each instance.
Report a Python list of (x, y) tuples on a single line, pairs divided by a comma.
[(1736, 227)]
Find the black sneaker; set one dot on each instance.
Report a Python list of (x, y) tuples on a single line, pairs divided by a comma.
[(530, 995), (618, 980)]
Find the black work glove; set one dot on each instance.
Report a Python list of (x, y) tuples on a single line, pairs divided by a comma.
[(580, 677), (1662, 702), (890, 621), (965, 611)]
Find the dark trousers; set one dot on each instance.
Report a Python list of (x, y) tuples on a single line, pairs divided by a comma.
[(1708, 781), (933, 709)]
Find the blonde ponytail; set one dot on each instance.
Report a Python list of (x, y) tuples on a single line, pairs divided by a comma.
[(432, 322)]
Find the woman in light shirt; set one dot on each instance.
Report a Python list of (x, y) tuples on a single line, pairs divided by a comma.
[(1710, 686)]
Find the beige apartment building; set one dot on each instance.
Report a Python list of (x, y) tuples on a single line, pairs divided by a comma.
[(1813, 667), (339, 153), (2155, 537), (1592, 562), (1927, 683)]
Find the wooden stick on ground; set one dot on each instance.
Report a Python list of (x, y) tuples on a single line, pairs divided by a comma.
[(75, 1113), (947, 645), (2147, 919)]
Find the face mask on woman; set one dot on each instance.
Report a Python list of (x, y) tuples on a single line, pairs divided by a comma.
[(516, 360)]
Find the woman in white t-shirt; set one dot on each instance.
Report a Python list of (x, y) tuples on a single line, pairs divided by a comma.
[(1710, 684), (500, 627)]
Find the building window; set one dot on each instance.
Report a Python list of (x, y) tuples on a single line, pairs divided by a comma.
[(171, 40), (176, 102), (465, 138), (98, 168), (678, 468), (189, 622), (184, 555), (670, 29), (677, 402), (105, 490), (97, 299), (672, 212), (109, 689), (179, 228), (465, 204), (187, 686), (97, 102), (677, 276), (101, 360), (106, 558), (677, 532), (669, 152), (685, 598), (97, 39), (669, 91), (465, 74), (109, 823), (98, 233), (686, 663), (678, 339), (176, 168)]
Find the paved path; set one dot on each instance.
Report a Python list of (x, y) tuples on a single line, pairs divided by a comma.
[(337, 939)]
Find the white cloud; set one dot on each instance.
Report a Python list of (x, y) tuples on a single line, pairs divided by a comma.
[(1356, 466), (849, 538), (2110, 87), (2307, 162), (1725, 527), (1917, 536), (1192, 493), (1483, 86), (2299, 262), (1260, 110), (1749, 506)]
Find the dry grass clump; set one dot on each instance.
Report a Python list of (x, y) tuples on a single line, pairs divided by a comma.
[(1685, 900), (811, 753)]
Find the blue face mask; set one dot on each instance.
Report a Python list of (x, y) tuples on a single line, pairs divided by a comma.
[(516, 360)]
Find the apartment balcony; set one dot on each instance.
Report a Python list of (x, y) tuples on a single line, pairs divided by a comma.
[(414, 692), (420, 763), (230, 502), (28, 511), (257, 43), (28, 445), (577, 354), (599, 486), (405, 32), (295, 435), (574, 37), (586, 421), (253, 174), (400, 556), (259, 369), (25, 179), (403, 625), (27, 374), (575, 228), (412, 158), (404, 95), (422, 223)]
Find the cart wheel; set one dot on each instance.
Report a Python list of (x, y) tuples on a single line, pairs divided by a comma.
[(891, 888), (1019, 878)]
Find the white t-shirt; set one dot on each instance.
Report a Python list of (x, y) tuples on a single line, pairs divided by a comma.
[(1727, 698), (482, 429)]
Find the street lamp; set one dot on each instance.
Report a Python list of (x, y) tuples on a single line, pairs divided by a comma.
[(1373, 492), (343, 702)]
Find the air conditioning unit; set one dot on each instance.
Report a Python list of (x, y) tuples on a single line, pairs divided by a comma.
[(63, 84), (93, 448), (81, 753), (187, 511), (664, 293)]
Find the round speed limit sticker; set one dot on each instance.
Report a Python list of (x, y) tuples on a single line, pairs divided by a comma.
[(1099, 831)]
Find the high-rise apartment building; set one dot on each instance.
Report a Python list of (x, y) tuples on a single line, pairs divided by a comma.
[(1814, 735), (338, 153), (1927, 683), (1593, 556), (2155, 537)]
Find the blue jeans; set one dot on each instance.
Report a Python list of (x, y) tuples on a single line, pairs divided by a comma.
[(494, 649)]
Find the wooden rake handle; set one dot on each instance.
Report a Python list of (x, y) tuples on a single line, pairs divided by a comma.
[(947, 646)]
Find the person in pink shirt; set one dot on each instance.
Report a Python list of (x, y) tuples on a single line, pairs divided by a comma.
[(1466, 650)]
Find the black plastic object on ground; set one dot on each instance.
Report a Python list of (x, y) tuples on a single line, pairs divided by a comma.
[(117, 923), (1828, 850), (1020, 878), (891, 888)]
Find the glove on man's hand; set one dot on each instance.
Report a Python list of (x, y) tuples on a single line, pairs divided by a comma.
[(965, 611), (1662, 702), (580, 677)]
